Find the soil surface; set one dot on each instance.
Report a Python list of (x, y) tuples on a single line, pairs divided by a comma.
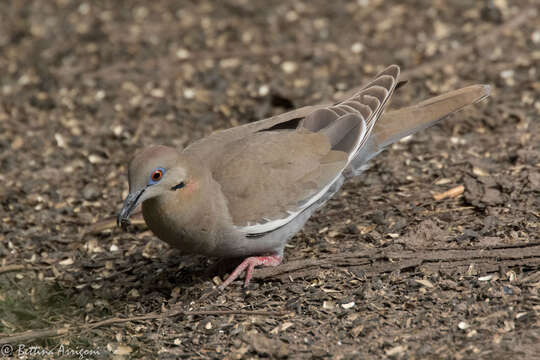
[(383, 270)]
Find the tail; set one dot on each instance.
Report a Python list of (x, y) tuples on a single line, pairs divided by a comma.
[(397, 124), (403, 122)]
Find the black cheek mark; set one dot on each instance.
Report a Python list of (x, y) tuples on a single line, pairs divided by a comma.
[(178, 186)]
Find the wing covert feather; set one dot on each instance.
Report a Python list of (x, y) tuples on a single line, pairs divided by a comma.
[(270, 174)]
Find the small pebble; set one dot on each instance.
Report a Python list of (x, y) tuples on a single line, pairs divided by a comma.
[(118, 130), (348, 305), (289, 67), (264, 90), (357, 48), (95, 159), (60, 140), (90, 192), (536, 37), (507, 74), (189, 93), (182, 54), (157, 93)]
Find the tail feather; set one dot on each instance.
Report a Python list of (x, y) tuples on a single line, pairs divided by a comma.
[(403, 122), (397, 124)]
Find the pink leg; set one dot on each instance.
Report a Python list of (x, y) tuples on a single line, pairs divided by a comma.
[(248, 265)]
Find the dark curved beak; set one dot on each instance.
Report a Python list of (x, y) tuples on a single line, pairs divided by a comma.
[(131, 202)]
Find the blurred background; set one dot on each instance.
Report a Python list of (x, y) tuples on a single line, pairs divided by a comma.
[(85, 84)]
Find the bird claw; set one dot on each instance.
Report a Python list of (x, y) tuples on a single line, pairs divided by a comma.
[(248, 265)]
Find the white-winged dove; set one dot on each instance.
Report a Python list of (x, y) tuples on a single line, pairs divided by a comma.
[(245, 191)]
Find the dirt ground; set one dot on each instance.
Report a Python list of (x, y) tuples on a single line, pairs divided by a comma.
[(384, 270)]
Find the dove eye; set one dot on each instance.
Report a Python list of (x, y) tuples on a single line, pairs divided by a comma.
[(156, 176)]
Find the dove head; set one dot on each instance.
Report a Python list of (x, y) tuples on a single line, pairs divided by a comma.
[(154, 171)]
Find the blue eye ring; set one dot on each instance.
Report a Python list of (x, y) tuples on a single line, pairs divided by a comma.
[(156, 176)]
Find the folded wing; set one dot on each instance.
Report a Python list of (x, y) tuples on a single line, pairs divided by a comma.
[(274, 174)]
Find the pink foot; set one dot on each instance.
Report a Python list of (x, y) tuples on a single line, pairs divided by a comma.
[(248, 265)]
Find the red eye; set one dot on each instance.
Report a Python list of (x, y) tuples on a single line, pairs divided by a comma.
[(157, 175)]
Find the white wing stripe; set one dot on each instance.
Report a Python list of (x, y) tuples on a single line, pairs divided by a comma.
[(271, 225)]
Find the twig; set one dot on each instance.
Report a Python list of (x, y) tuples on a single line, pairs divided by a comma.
[(37, 334), (15, 267), (173, 313), (442, 211), (34, 334), (452, 193), (378, 261)]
